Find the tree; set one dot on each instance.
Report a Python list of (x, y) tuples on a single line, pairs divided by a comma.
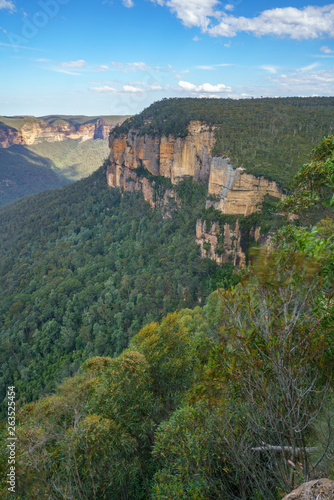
[(275, 360)]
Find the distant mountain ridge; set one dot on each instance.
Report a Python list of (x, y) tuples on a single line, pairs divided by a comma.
[(26, 130), (38, 153)]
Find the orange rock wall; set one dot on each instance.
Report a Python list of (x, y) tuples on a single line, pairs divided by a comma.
[(237, 192), (170, 157), (39, 130)]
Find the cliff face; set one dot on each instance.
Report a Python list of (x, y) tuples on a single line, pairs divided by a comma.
[(170, 157), (39, 130), (230, 248), (237, 192), (231, 191)]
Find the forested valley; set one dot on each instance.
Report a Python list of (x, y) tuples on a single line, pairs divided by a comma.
[(144, 371)]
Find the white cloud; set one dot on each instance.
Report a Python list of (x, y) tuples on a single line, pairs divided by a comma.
[(131, 89), (102, 90), (155, 87), (196, 39), (7, 4), (326, 50), (204, 87), (74, 64), (211, 67), (205, 67), (131, 67), (67, 72), (192, 12), (13, 46), (304, 83), (305, 23), (128, 88), (229, 7), (127, 3), (102, 67), (309, 67), (270, 69)]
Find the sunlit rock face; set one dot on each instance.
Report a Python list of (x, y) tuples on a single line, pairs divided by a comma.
[(237, 192), (39, 130), (170, 157), (231, 191)]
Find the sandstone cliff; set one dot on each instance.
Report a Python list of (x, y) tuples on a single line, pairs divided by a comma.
[(37, 130), (170, 157), (136, 159), (237, 192), (229, 250)]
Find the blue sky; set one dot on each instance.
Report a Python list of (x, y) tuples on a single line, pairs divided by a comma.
[(106, 57)]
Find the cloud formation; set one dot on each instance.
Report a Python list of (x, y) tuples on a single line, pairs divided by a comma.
[(192, 12), (129, 88), (204, 87), (102, 90), (7, 4), (131, 67), (269, 68), (326, 50), (74, 64), (304, 23)]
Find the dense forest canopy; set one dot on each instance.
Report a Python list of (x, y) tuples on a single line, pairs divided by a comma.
[(270, 137), (230, 400), (84, 268)]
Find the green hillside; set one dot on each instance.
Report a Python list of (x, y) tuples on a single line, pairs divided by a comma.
[(73, 160), (24, 171), (228, 400), (83, 268), (270, 137), (48, 165)]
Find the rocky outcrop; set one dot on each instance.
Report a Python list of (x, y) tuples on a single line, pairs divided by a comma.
[(127, 178), (223, 243), (319, 489), (237, 192), (136, 159), (102, 130), (226, 250), (170, 157), (233, 190), (36, 130)]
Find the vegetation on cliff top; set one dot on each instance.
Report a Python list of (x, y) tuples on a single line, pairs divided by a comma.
[(270, 137)]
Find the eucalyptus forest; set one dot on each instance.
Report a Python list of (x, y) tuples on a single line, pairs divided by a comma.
[(144, 371)]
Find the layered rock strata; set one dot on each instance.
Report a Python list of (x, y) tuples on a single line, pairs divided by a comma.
[(39, 130), (236, 192), (170, 157), (229, 251), (135, 159)]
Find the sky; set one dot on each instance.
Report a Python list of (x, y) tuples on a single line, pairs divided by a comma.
[(116, 57)]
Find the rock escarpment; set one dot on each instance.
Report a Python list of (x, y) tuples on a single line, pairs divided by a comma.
[(222, 244), (37, 130), (135, 161), (236, 192)]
